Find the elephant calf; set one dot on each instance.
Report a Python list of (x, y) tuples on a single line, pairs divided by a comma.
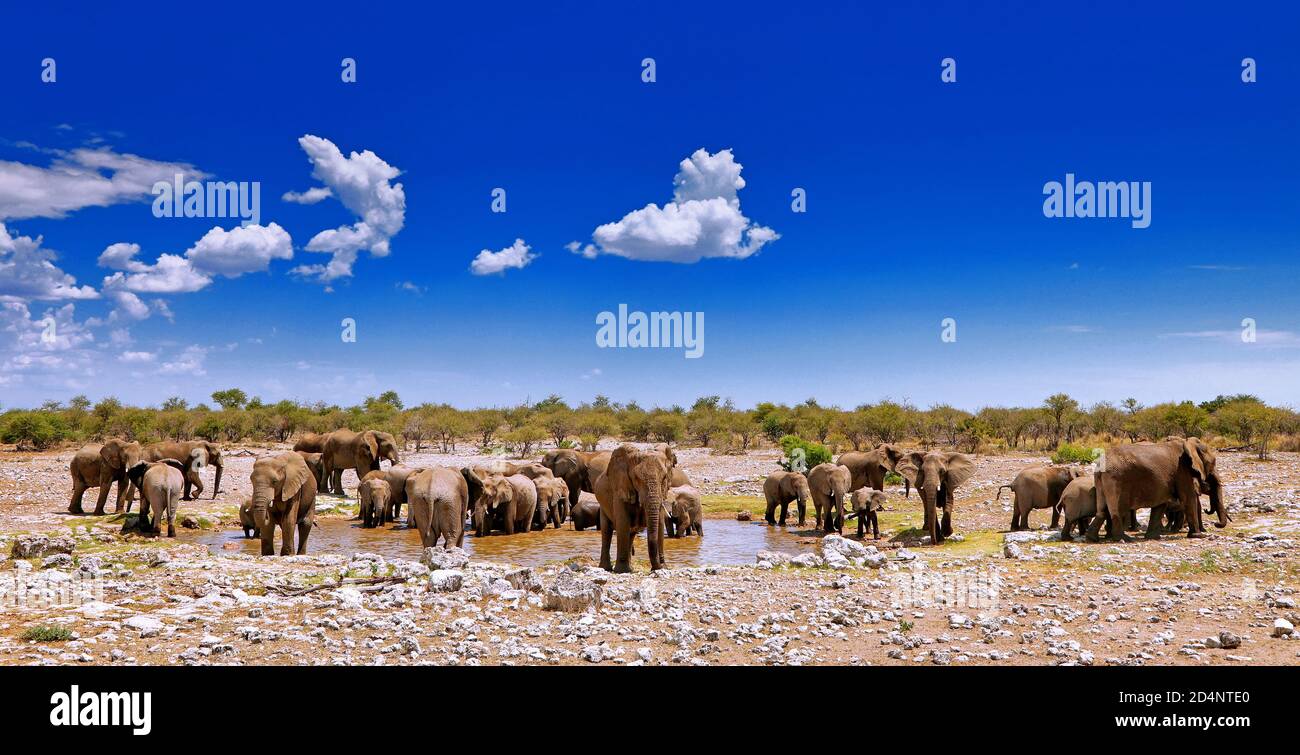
[(1079, 505), (780, 488), (1038, 488), (160, 484), (375, 496), (246, 517), (586, 513), (866, 502), (685, 512), (552, 500)]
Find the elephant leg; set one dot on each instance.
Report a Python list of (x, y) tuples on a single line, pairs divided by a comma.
[(1132, 521), (105, 482), (946, 529), (785, 509), (1155, 523), (862, 524), (770, 515), (606, 532), (78, 490), (1056, 517), (623, 559), (268, 536), (304, 529), (286, 532), (1015, 519), (875, 526)]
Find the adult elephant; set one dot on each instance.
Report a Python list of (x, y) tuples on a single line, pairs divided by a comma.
[(439, 498), (185, 452), (345, 449), (780, 488), (552, 501), (100, 466), (829, 484), (1152, 475), (284, 495), (312, 443), (573, 467), (936, 476), (631, 492), (868, 468), (1038, 488), (160, 484)]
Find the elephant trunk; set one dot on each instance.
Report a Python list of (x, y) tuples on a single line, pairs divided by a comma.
[(654, 524), (1216, 503), (930, 497)]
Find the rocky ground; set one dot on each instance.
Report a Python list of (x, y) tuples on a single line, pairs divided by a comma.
[(74, 590)]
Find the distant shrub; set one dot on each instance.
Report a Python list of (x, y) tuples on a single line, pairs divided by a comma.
[(47, 634), (33, 430), (802, 453), (1070, 453)]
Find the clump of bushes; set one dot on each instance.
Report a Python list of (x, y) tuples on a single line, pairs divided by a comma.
[(1072, 453), (802, 453), (34, 431), (47, 634)]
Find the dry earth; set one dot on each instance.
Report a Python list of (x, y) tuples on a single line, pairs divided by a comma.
[(987, 597)]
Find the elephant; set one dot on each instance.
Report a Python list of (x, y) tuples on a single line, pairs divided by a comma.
[(552, 500), (438, 499), (160, 484), (679, 478), (100, 466), (865, 502), (573, 467), (1142, 475), (360, 451), (586, 513), (869, 467), (1038, 488), (396, 477), (936, 475), (684, 513), (782, 487), (829, 484), (316, 463), (532, 470), (246, 520), (502, 502), (631, 493), (1079, 506), (312, 443), (375, 497), (184, 452), (284, 495)]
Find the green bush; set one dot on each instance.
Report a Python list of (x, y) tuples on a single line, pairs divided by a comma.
[(813, 453), (1070, 453), (47, 634), (33, 430)]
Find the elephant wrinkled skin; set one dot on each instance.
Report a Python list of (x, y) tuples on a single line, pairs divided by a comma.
[(1154, 475), (284, 495), (439, 499), (631, 492)]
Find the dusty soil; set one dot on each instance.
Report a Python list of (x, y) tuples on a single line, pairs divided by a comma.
[(988, 597)]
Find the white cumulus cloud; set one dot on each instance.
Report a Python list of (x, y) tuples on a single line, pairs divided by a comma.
[(517, 256), (363, 183), (702, 220), (242, 249), (86, 177), (311, 196), (27, 271)]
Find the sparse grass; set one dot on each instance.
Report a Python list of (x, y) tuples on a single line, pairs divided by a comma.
[(905, 626), (44, 633)]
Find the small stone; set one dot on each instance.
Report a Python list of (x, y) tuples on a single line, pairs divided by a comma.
[(1229, 640), (571, 593), (1282, 628), (445, 580), (743, 516)]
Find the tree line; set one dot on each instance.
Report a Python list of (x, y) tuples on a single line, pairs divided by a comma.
[(1239, 420)]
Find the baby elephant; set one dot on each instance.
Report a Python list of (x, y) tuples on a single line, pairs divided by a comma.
[(866, 502), (375, 497), (1079, 505), (685, 513), (160, 484), (586, 513), (246, 517)]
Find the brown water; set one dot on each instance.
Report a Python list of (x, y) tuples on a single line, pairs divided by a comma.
[(726, 542)]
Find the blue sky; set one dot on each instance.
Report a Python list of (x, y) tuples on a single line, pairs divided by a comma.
[(924, 200)]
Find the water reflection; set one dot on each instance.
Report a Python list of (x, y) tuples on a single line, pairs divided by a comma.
[(726, 542)]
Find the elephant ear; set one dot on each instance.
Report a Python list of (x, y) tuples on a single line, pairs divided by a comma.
[(111, 453), (960, 468), (1193, 457), (878, 500), (296, 475), (910, 467), (474, 482), (670, 455), (618, 474), (173, 464), (370, 445), (891, 455), (198, 458), (136, 474)]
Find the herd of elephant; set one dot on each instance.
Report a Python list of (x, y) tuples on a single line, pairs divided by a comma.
[(627, 490)]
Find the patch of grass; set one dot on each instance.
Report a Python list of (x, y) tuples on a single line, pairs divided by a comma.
[(905, 626), (730, 504), (45, 633)]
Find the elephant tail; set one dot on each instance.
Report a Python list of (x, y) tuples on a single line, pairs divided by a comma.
[(999, 495)]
